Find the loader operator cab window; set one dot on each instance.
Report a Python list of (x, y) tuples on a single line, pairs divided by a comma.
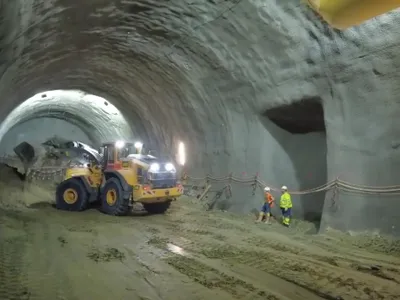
[(123, 152), (110, 154), (140, 174)]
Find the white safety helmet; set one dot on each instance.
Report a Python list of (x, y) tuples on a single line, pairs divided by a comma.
[(284, 188), (267, 189)]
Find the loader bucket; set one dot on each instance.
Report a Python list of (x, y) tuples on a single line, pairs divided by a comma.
[(25, 152)]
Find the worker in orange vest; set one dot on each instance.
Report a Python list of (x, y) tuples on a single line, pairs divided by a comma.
[(266, 208)]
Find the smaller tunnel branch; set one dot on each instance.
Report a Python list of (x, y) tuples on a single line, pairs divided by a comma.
[(300, 117)]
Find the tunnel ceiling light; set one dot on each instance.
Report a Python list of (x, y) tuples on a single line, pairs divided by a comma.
[(138, 147), (181, 154)]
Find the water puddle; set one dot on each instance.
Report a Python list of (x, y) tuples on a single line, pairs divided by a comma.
[(176, 249)]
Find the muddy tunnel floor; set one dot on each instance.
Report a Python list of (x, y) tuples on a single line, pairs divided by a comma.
[(186, 254)]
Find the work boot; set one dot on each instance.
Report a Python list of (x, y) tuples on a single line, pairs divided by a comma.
[(260, 217), (286, 222)]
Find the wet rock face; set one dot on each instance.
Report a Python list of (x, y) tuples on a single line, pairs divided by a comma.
[(205, 72)]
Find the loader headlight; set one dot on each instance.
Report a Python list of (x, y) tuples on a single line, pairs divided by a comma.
[(170, 167), (138, 145), (119, 144), (154, 167)]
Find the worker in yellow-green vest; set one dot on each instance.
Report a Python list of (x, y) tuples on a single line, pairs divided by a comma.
[(286, 206)]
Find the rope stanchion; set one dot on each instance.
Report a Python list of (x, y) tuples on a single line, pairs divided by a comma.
[(334, 195), (210, 205), (228, 191), (255, 184)]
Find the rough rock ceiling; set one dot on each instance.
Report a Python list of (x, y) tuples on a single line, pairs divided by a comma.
[(162, 59), (177, 69)]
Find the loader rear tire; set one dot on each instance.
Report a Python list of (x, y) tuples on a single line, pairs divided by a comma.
[(112, 198), (72, 195), (157, 208)]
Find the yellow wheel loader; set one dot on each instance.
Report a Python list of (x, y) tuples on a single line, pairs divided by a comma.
[(118, 178)]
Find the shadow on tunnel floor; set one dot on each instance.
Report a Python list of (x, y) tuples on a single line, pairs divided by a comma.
[(314, 219), (94, 207)]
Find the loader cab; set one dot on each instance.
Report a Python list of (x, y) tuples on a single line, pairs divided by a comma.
[(114, 152)]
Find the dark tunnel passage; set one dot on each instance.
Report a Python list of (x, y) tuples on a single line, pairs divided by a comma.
[(304, 116), (300, 130)]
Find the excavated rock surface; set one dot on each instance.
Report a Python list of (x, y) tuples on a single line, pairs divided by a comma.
[(205, 72)]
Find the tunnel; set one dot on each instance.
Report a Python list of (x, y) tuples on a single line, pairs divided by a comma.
[(242, 95), (250, 88), (71, 115)]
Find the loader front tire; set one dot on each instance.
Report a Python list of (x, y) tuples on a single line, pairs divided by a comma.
[(112, 198), (72, 195)]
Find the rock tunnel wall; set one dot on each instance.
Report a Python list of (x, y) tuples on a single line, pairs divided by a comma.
[(363, 129), (204, 73), (280, 158)]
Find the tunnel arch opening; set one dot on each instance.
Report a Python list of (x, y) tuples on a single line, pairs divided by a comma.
[(69, 113), (300, 130)]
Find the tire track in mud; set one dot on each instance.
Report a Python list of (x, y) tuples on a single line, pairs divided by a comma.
[(321, 280), (328, 273), (13, 245), (326, 279), (47, 277), (12, 277), (196, 239), (202, 269), (337, 258), (333, 248), (212, 278), (205, 275)]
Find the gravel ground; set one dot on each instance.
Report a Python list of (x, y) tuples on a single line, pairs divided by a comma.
[(187, 253)]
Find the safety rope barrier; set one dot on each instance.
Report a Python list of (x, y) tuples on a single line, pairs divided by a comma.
[(48, 173), (337, 184)]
